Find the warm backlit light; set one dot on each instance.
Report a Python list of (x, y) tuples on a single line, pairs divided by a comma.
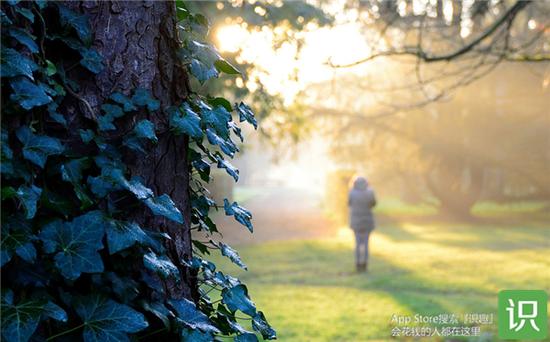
[(231, 38)]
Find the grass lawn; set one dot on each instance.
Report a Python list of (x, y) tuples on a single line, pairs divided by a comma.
[(309, 292)]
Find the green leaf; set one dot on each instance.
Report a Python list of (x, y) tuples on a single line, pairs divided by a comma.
[(217, 118), (53, 310), (25, 12), (224, 66), (29, 196), (19, 321), (57, 117), (91, 60), (71, 172), (203, 57), (51, 69), (246, 337), (232, 255), (236, 298), (242, 215), (37, 148), (142, 97), (112, 110), (106, 320), (246, 114), (220, 101), (86, 135), (75, 244), (231, 170), (15, 64), (189, 124), (16, 238), (124, 101), (160, 310), (259, 323), (164, 206), (188, 335), (226, 145), (80, 23), (188, 314), (161, 265), (28, 94), (145, 129), (24, 38), (121, 235)]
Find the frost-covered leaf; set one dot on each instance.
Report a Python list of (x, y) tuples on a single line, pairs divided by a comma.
[(76, 244), (242, 215), (15, 64), (29, 196), (121, 235), (29, 95), (37, 148), (106, 320), (236, 298), (259, 323), (189, 123), (161, 265), (232, 255), (164, 206), (217, 118), (246, 114), (188, 314)]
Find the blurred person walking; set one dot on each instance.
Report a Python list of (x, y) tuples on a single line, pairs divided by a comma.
[(361, 200)]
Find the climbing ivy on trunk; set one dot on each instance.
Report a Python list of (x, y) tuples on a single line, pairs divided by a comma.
[(106, 150)]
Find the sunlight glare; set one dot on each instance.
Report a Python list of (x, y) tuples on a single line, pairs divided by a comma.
[(231, 38)]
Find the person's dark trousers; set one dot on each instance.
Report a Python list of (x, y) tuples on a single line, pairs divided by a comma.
[(361, 249)]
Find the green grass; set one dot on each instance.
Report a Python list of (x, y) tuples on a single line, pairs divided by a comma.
[(309, 292)]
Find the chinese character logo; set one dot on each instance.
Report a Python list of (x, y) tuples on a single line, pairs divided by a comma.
[(522, 314)]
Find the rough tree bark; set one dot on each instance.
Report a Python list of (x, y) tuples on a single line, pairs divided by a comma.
[(138, 42)]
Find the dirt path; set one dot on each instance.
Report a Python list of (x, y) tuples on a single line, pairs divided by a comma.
[(278, 214)]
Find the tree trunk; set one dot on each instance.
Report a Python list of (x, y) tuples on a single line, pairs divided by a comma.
[(138, 42)]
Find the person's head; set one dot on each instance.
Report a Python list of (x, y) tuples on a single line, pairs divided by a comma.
[(360, 183)]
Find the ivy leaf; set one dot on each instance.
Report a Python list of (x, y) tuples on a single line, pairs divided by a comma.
[(259, 323), (242, 215), (232, 255), (164, 206), (25, 12), (24, 38), (76, 244), (217, 117), (57, 117), (29, 196), (122, 99), (29, 95), (226, 145), (19, 321), (246, 337), (145, 129), (236, 298), (189, 124), (246, 114), (121, 235), (16, 238), (106, 320), (196, 336), (91, 60), (78, 22), (53, 310), (161, 265), (142, 97), (231, 170), (188, 314), (37, 148), (71, 172), (111, 110), (15, 64), (202, 62), (224, 66), (160, 310)]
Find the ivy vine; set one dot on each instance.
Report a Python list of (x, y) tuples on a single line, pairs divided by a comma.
[(68, 262)]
